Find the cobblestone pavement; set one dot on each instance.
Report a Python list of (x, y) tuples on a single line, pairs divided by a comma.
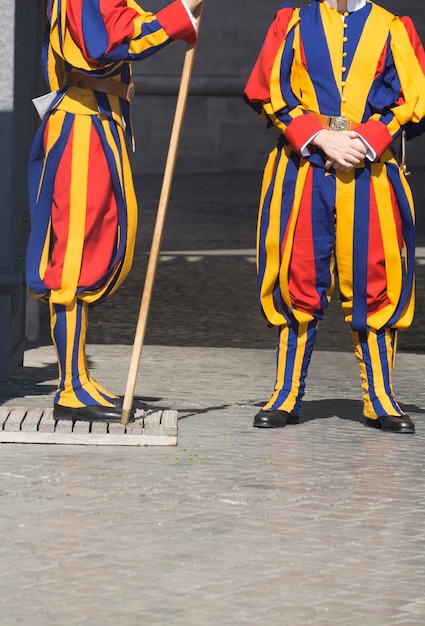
[(320, 523)]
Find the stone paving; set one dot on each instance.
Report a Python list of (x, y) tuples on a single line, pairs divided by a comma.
[(320, 523)]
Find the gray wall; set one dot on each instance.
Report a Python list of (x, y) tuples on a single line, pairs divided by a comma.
[(220, 132), (18, 44)]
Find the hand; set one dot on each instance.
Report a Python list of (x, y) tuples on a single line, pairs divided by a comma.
[(344, 149), (193, 4)]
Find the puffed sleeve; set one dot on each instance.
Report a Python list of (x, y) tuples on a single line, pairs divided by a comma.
[(107, 31), (257, 89), (408, 58), (265, 93)]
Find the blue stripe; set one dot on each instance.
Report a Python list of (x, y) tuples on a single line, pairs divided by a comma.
[(408, 227), (97, 42), (323, 228), (287, 199), (264, 226), (94, 29), (82, 395), (119, 194), (40, 209), (60, 33), (367, 360), (290, 355), (386, 368), (361, 244), (355, 24), (59, 336), (318, 60)]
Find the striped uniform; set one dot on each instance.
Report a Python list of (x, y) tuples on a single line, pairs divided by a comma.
[(367, 67), (82, 200)]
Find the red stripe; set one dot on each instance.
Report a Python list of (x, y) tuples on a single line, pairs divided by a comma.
[(177, 23), (376, 272), (101, 216), (74, 23), (258, 86), (118, 20), (60, 217), (302, 269), (415, 40)]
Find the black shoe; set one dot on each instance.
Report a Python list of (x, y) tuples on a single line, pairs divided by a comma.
[(392, 423), (274, 419), (92, 413)]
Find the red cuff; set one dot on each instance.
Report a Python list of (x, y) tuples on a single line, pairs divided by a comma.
[(299, 131), (176, 22), (376, 134)]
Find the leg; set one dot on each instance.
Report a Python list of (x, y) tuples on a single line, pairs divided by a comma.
[(374, 352), (293, 356), (296, 236), (370, 268), (77, 394)]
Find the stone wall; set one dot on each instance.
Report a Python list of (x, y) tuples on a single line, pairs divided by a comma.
[(18, 44)]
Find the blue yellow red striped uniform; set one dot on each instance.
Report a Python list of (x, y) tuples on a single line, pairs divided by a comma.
[(82, 201), (313, 223)]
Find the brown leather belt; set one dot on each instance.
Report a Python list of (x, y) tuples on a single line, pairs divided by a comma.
[(335, 122), (105, 85)]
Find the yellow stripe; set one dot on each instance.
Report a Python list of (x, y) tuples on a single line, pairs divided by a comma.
[(54, 129), (281, 365), (301, 83), (363, 68), (367, 404), (289, 403), (333, 27), (53, 320), (138, 44), (275, 87), (410, 73), (276, 268), (126, 181), (345, 193), (392, 254), (378, 378), (77, 209), (272, 243)]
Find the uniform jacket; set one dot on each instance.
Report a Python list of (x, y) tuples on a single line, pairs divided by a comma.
[(82, 201), (381, 83)]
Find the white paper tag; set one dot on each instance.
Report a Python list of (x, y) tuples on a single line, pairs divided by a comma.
[(43, 103)]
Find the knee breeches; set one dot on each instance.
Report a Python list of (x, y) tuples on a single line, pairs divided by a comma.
[(312, 222)]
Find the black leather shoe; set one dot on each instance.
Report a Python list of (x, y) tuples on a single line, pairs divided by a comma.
[(392, 423), (92, 413), (274, 419)]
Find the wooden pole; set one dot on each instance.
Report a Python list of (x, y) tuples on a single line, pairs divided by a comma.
[(159, 227)]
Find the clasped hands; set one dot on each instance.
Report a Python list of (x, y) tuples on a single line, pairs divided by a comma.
[(344, 150)]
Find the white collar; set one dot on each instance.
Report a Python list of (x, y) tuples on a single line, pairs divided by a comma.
[(352, 5)]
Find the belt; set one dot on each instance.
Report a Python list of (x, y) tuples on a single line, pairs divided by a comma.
[(335, 122), (105, 85)]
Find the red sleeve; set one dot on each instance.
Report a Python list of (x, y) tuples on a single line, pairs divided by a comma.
[(376, 134), (299, 131), (99, 26), (414, 38), (258, 86), (102, 29), (177, 23)]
